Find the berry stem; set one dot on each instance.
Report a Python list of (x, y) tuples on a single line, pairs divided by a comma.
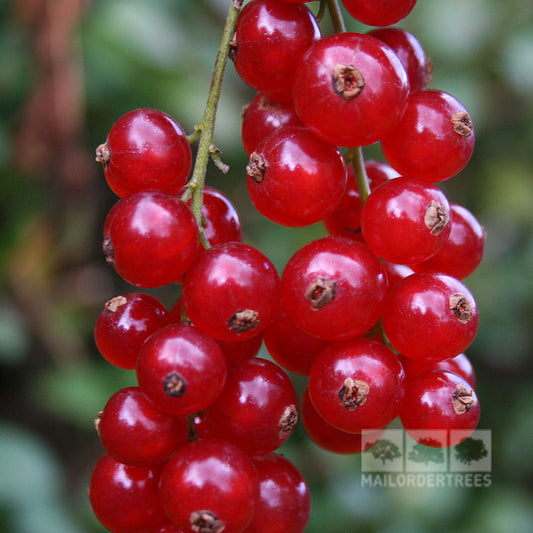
[(336, 16), (355, 157), (207, 125)]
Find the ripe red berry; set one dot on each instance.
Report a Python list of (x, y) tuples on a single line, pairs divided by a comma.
[(257, 410), (124, 324), (334, 288), (379, 13), (434, 139), (135, 432), (463, 251), (210, 485), (357, 385), (430, 316), (440, 409), (145, 149), (181, 370), (270, 37), (151, 238), (125, 498), (350, 89), (231, 291), (295, 178), (406, 221), (284, 503)]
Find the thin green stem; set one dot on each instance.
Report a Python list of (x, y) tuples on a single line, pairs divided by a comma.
[(207, 126), (336, 16), (355, 157)]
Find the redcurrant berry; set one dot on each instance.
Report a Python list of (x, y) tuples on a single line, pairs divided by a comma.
[(379, 13)]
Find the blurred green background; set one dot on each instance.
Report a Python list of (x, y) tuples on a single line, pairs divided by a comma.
[(68, 70)]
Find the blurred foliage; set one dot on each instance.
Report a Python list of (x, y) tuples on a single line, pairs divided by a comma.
[(68, 70)]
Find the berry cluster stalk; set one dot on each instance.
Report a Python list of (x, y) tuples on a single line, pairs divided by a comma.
[(205, 130)]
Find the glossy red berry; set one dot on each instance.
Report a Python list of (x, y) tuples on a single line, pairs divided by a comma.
[(334, 288), (430, 316), (151, 238), (379, 13), (395, 273), (406, 221), (135, 432), (330, 438), (357, 385), (410, 52), (125, 498), (231, 292), (460, 365), (440, 409), (262, 116), (433, 140), (350, 89), (345, 220), (257, 410), (124, 324), (181, 370), (270, 37), (463, 251), (295, 178), (145, 149), (210, 485), (235, 351), (290, 347), (221, 222), (284, 503)]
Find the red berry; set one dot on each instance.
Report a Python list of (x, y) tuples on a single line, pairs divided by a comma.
[(235, 351), (379, 13), (257, 410), (284, 503), (406, 221), (151, 238), (395, 273), (334, 288), (357, 385), (181, 370), (125, 498), (295, 178), (270, 37), (145, 149), (430, 316), (210, 485), (350, 89), (135, 432), (231, 292), (328, 437), (433, 140), (440, 409), (463, 251), (124, 324)]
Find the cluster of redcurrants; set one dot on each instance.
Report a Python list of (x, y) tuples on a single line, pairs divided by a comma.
[(374, 314)]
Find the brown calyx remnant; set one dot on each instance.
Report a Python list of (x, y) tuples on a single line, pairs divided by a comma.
[(109, 254), (463, 399), (256, 167), (287, 421), (428, 71), (353, 393), (436, 218), (321, 292), (232, 52), (206, 522), (347, 81), (174, 385), (462, 125), (103, 154), (244, 320), (98, 422), (461, 307), (112, 305)]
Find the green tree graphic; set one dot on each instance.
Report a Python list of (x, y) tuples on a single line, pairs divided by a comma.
[(470, 450), (423, 453), (385, 450)]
